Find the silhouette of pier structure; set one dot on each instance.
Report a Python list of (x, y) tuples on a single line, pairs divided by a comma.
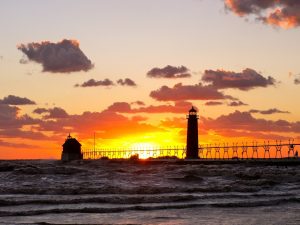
[(224, 151), (219, 151)]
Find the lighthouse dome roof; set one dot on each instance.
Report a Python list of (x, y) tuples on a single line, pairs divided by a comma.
[(193, 109)]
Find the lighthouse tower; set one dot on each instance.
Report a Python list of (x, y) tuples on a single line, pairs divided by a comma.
[(192, 135)]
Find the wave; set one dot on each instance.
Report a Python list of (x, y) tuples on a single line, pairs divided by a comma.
[(145, 207), (132, 199), (88, 188)]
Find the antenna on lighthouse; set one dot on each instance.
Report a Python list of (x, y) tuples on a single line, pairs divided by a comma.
[(94, 141)]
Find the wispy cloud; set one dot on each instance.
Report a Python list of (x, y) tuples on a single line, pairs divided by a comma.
[(268, 111), (169, 72), (96, 83), (213, 103)]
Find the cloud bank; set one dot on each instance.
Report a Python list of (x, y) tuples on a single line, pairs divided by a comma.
[(177, 107), (245, 80), (188, 92)]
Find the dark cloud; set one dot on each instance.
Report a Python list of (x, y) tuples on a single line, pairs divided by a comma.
[(178, 107), (52, 113), (244, 121), (10, 118), (188, 92), (138, 103), (213, 103), (237, 103), (124, 107), (126, 82), (40, 110), (281, 13), (95, 83), (60, 57), (56, 112), (297, 80), (15, 100), (169, 72), (268, 112), (246, 80)]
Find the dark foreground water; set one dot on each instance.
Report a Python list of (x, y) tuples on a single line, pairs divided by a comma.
[(108, 192)]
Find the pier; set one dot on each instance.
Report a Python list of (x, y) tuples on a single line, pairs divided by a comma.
[(267, 150)]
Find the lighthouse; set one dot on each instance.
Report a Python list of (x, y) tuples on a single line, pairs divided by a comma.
[(71, 150), (192, 135)]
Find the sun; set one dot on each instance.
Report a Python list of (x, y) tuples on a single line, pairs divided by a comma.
[(143, 149)]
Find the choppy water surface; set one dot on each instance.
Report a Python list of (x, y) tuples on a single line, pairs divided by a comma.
[(108, 192)]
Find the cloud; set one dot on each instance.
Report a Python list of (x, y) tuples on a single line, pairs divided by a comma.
[(237, 103), (126, 82), (15, 145), (124, 107), (55, 123), (169, 72), (61, 57), (15, 100), (10, 118), (138, 103), (246, 80), (188, 92), (95, 83), (19, 133), (268, 112), (238, 125), (213, 103), (297, 80), (178, 107), (107, 124), (106, 82), (280, 13), (244, 122), (40, 110)]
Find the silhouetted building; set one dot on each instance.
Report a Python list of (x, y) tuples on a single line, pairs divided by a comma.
[(71, 150), (192, 135)]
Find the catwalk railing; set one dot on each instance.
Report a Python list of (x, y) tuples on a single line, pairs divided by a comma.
[(265, 150)]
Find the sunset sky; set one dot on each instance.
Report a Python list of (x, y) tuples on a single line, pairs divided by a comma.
[(129, 71)]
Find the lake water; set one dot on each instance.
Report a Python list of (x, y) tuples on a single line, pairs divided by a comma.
[(109, 192)]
